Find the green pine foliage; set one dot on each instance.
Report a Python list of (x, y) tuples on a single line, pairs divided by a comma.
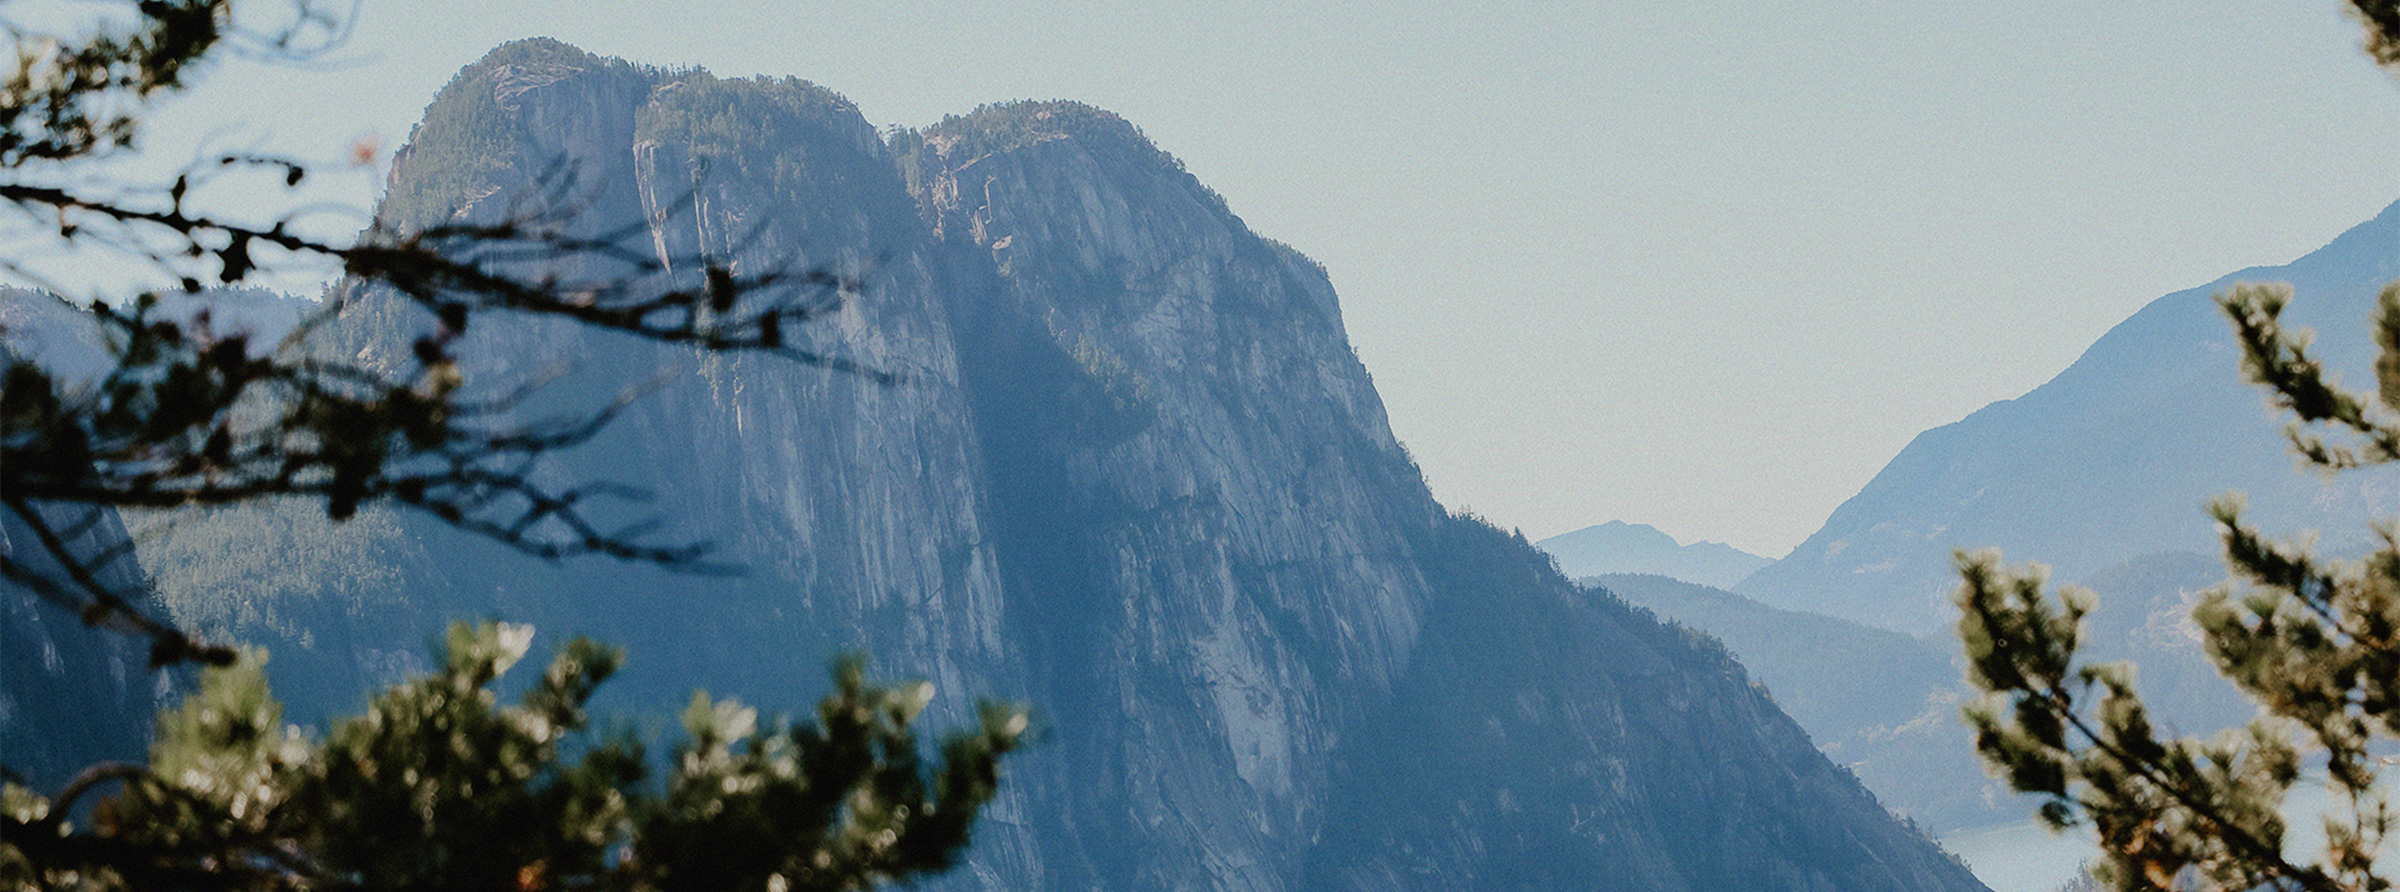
[(439, 784), (2314, 642), (2168, 810)]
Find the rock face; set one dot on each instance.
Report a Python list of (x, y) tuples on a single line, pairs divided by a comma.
[(1171, 415), (1135, 477), (2113, 460)]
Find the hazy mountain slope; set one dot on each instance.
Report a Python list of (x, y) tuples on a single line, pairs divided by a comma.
[(278, 573), (1620, 547), (1883, 704), (59, 335), (1886, 705), (2145, 616), (1558, 738), (1826, 673), (1136, 477), (2113, 459)]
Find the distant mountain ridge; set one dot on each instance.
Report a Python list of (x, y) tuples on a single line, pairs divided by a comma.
[(1885, 705), (1137, 479), (2113, 459), (2100, 474), (1620, 547)]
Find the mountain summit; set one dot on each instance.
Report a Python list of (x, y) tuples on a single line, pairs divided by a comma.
[(1135, 476)]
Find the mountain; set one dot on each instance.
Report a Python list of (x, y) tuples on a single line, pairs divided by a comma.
[(71, 693), (1885, 705), (1882, 704), (1134, 475), (2112, 460), (1550, 737), (1620, 547)]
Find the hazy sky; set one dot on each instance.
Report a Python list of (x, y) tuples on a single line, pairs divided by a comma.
[(1706, 266)]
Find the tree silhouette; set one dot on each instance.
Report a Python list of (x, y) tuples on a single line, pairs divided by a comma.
[(2315, 642)]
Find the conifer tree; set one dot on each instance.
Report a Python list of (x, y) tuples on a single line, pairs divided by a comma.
[(2314, 641)]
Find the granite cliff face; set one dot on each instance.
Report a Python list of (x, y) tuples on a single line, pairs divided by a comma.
[(1135, 477), (1171, 415)]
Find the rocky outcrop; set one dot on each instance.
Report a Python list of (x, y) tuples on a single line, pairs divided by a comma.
[(1134, 476), (1211, 538)]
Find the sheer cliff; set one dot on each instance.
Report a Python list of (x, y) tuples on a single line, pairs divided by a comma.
[(1132, 474)]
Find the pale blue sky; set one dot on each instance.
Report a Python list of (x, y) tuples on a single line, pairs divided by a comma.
[(1703, 266)]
